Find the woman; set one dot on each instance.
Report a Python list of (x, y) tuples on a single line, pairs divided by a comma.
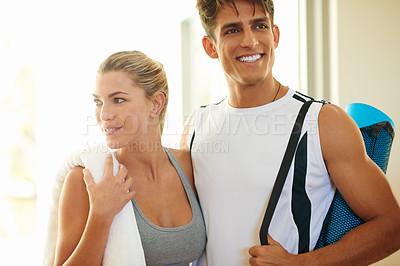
[(131, 97)]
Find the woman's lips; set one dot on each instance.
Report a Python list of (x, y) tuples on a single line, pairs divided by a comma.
[(111, 130)]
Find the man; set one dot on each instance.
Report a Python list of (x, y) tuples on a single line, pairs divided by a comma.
[(238, 144)]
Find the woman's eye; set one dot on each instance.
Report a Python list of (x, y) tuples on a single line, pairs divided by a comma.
[(119, 100), (97, 102)]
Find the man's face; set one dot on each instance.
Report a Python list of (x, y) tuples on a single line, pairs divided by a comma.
[(245, 43)]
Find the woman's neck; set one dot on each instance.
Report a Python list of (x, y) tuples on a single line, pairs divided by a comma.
[(144, 158)]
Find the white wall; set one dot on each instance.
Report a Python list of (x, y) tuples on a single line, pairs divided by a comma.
[(368, 68)]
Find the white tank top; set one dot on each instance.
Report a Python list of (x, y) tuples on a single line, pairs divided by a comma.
[(236, 155)]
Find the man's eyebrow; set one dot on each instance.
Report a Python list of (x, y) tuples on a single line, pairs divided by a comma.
[(111, 94), (231, 25), (257, 20), (237, 24)]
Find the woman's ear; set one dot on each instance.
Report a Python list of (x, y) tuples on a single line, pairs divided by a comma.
[(158, 102), (209, 47)]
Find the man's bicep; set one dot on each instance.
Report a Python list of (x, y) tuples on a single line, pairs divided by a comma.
[(360, 181)]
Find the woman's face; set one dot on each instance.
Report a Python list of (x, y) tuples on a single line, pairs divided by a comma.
[(122, 109)]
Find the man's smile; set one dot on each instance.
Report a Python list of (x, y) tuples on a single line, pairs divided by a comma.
[(249, 59)]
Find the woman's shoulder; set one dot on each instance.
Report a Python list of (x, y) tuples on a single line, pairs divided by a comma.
[(75, 174), (74, 199), (74, 183), (184, 159), (181, 155)]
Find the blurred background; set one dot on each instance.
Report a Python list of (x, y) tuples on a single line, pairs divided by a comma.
[(343, 51)]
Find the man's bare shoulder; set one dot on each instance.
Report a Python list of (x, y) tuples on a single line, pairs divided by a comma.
[(335, 124)]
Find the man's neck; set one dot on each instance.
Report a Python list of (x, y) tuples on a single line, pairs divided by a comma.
[(246, 96)]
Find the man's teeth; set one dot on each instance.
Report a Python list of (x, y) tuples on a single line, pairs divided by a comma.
[(109, 129), (250, 59)]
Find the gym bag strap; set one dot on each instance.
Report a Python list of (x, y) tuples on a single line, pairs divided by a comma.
[(283, 171)]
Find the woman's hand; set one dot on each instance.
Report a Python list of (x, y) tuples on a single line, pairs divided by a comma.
[(112, 193)]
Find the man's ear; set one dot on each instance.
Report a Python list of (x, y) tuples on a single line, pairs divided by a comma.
[(277, 35), (209, 47), (158, 102)]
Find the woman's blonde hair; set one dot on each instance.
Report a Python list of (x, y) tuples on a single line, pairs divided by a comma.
[(145, 72)]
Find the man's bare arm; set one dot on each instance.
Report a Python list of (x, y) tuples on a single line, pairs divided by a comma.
[(363, 186), (365, 189)]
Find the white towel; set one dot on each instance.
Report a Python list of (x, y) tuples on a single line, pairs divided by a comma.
[(124, 246)]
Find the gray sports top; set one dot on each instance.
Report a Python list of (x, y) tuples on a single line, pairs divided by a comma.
[(173, 246)]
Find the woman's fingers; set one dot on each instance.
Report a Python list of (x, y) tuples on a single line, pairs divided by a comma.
[(122, 172), (109, 169), (88, 178), (111, 194), (131, 194), (109, 166), (128, 185), (127, 181)]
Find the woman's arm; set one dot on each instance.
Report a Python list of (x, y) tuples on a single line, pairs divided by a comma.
[(86, 212)]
